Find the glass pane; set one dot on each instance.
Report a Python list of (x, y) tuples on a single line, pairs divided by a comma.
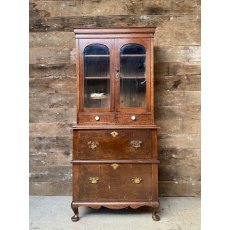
[(132, 76), (97, 77)]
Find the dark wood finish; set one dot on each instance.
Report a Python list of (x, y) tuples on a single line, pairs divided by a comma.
[(141, 118), (115, 158), (89, 118), (128, 161), (115, 184), (124, 127), (113, 147), (117, 204)]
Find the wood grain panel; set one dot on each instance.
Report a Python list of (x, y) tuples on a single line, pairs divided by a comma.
[(52, 70), (110, 147), (40, 24), (115, 184), (50, 129), (52, 115), (111, 7)]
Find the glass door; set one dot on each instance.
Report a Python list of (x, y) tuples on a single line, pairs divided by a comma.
[(133, 84), (96, 75)]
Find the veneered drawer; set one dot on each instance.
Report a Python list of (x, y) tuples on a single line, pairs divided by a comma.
[(101, 182), (113, 144), (96, 118), (133, 119)]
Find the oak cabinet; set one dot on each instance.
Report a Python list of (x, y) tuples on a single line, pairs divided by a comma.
[(115, 159)]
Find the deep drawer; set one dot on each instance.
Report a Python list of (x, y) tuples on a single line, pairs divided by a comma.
[(100, 182), (112, 144)]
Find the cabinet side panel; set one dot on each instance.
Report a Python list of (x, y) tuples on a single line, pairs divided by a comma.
[(77, 76), (152, 77)]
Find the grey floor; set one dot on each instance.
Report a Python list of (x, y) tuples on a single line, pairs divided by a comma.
[(54, 212)]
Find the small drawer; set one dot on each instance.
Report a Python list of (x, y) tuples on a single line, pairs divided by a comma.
[(96, 118), (134, 119), (113, 144), (100, 182)]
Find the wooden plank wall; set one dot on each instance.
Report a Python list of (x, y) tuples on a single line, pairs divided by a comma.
[(52, 86)]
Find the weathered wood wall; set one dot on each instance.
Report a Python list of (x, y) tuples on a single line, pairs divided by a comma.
[(52, 86)]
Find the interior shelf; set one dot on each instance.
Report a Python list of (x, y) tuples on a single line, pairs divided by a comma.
[(96, 55), (96, 78)]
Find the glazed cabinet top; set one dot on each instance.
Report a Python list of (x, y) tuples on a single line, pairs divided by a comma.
[(115, 75)]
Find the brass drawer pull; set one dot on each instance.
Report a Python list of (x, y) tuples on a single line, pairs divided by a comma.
[(114, 133), (137, 180), (136, 144), (115, 166), (93, 144), (94, 180)]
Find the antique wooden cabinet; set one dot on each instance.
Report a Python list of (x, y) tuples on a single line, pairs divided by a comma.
[(115, 159)]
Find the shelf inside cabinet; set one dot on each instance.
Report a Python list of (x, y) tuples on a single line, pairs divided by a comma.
[(133, 55), (133, 78), (96, 78), (96, 55)]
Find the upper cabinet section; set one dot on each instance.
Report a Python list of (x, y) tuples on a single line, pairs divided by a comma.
[(115, 73)]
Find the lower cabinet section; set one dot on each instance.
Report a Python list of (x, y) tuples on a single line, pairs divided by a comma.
[(114, 182), (115, 167)]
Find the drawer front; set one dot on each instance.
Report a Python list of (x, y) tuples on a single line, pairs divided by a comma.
[(96, 118), (100, 182), (134, 119), (113, 144)]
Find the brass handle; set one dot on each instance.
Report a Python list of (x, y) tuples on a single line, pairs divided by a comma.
[(136, 144), (117, 75), (94, 180), (93, 144), (115, 166), (137, 180), (114, 133)]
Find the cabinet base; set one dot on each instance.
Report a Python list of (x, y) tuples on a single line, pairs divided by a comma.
[(115, 205)]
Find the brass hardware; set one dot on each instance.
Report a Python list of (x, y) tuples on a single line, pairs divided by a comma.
[(115, 166), (137, 180), (93, 144), (97, 118), (117, 75), (133, 118), (94, 180), (136, 143), (114, 133)]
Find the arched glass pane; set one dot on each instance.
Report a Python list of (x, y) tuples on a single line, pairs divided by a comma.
[(132, 76), (97, 76)]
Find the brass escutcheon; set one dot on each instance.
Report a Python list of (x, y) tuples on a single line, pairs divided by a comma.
[(93, 180), (136, 143), (137, 180), (115, 166), (93, 144), (114, 133)]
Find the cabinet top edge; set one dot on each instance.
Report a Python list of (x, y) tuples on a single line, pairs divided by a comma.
[(97, 127), (115, 30)]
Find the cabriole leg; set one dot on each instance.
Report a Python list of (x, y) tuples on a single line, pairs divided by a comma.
[(154, 215), (75, 217)]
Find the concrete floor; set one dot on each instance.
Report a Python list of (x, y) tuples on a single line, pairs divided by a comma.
[(54, 212)]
